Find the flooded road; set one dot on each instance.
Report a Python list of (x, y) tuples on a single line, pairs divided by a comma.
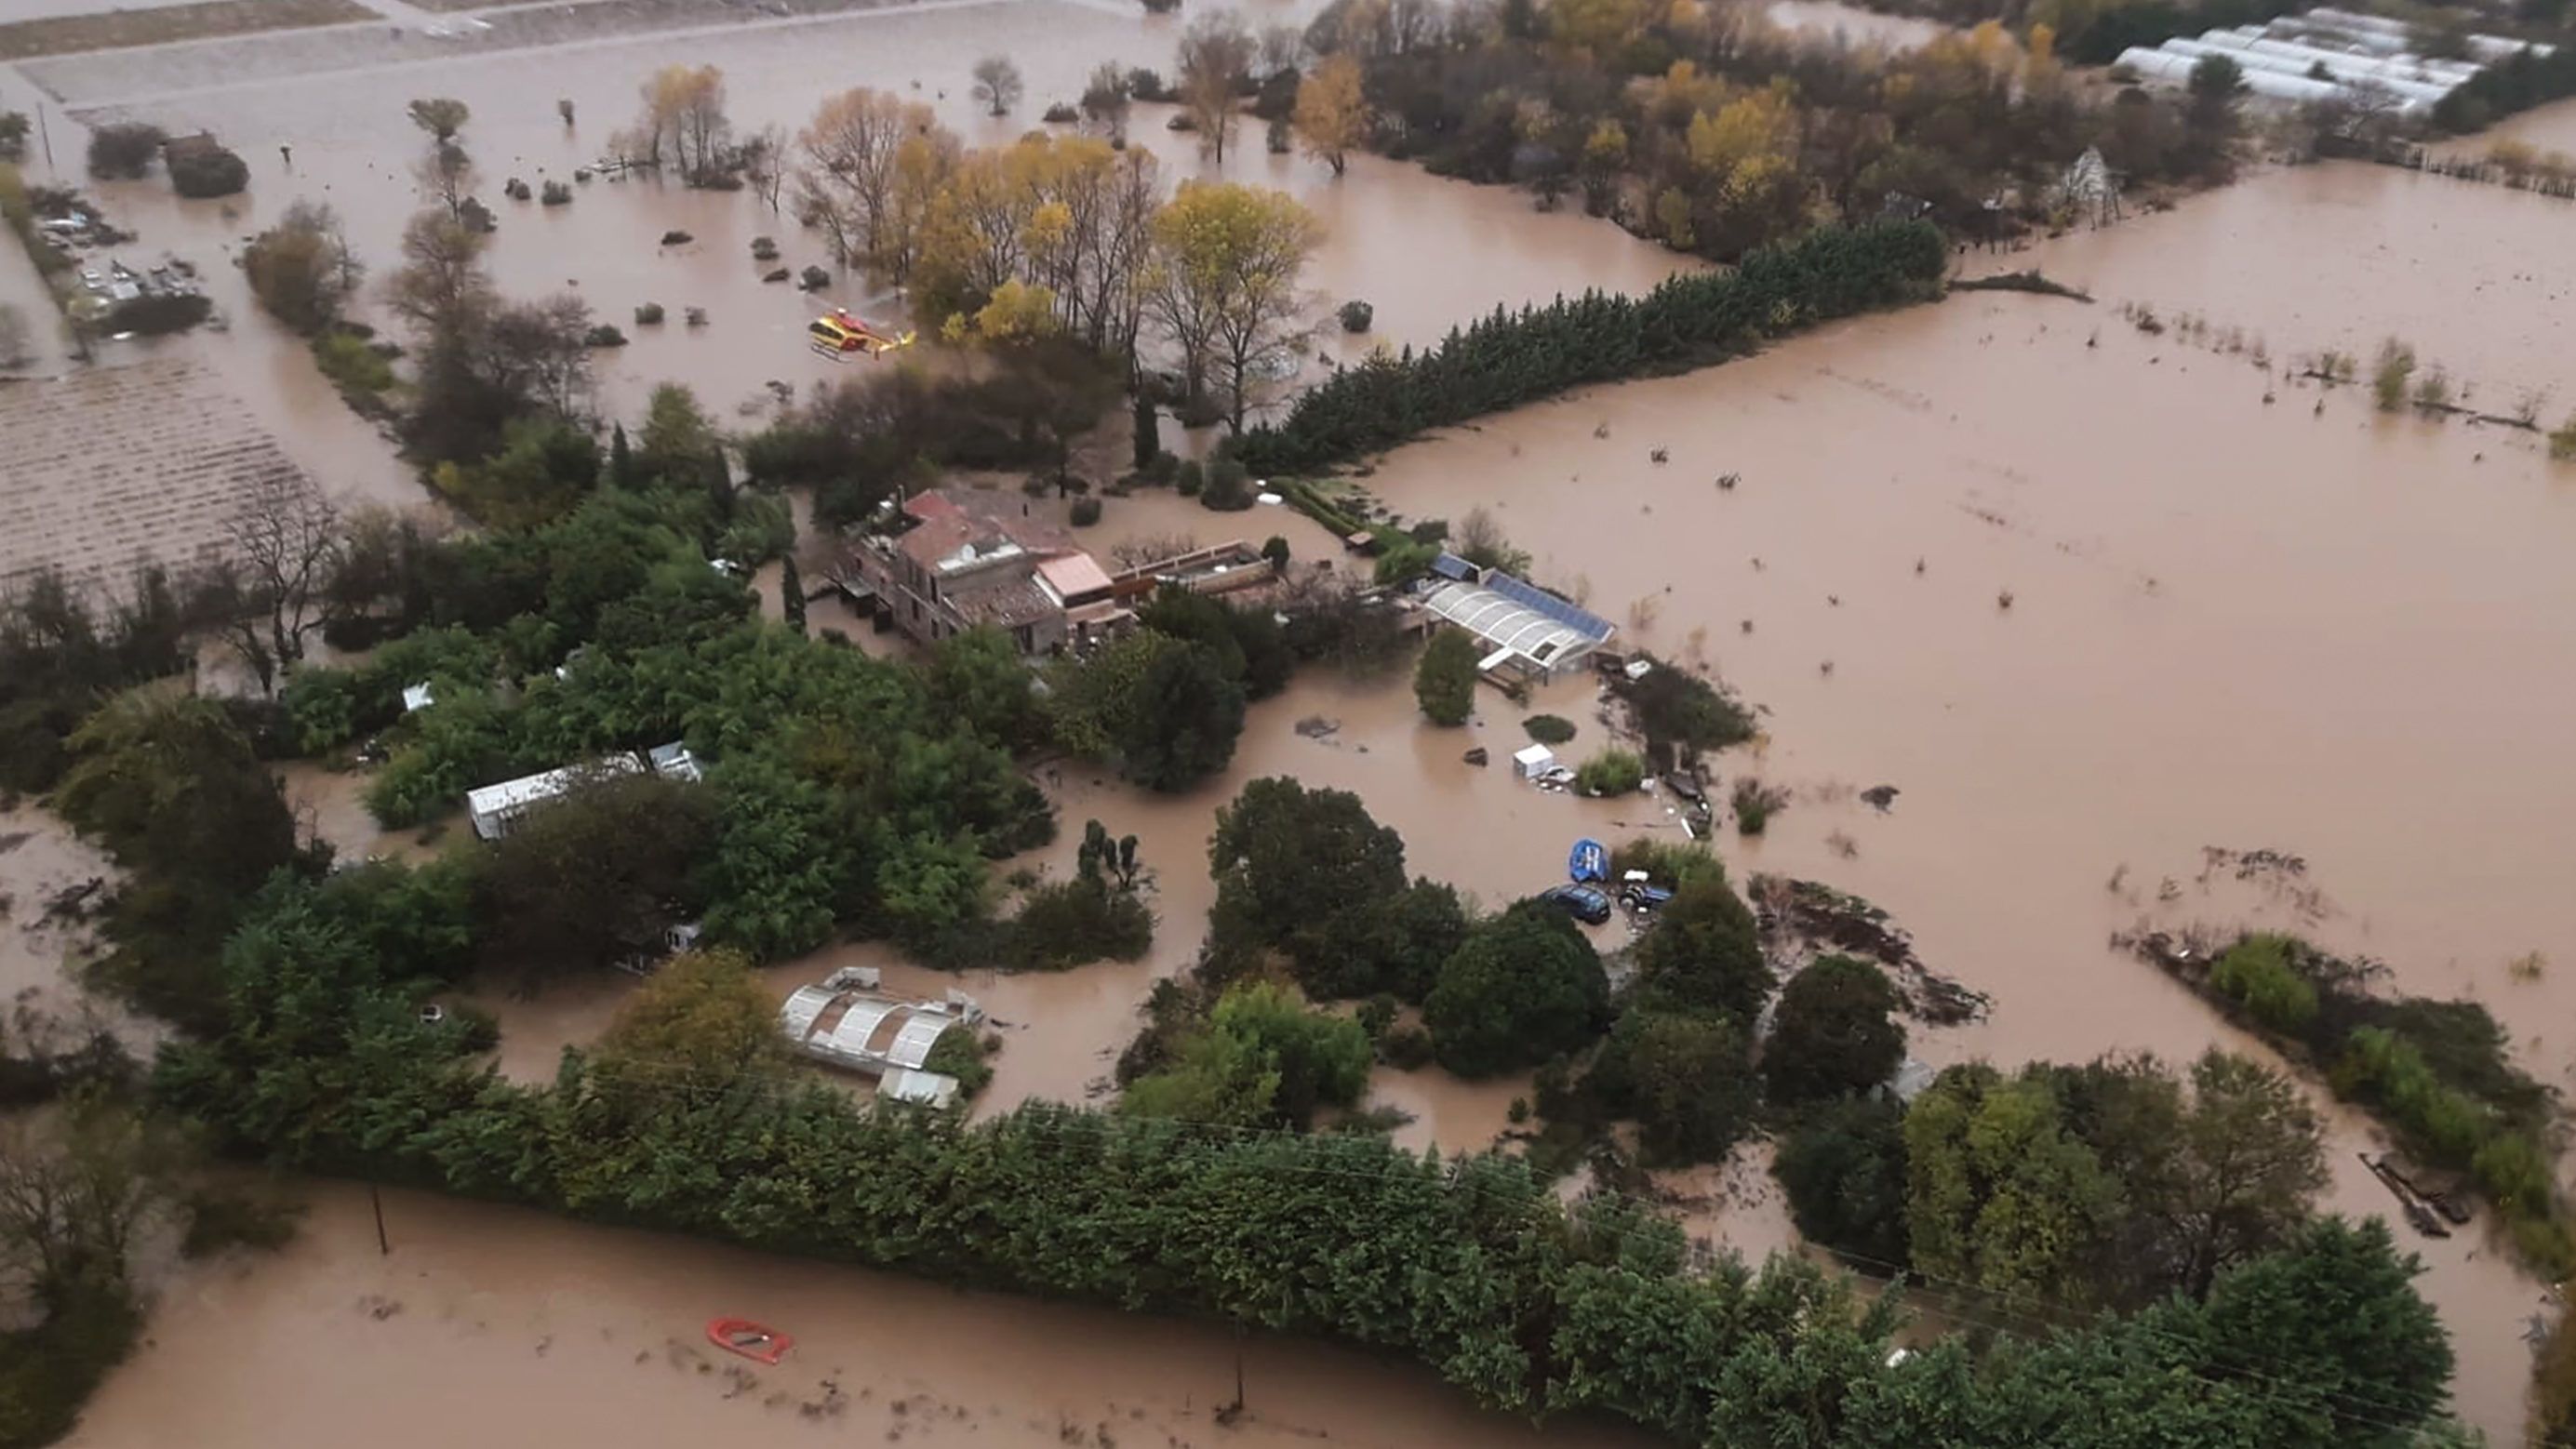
[(498, 1326)]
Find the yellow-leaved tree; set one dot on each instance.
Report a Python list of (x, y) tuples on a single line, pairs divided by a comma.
[(1333, 116), (1223, 283)]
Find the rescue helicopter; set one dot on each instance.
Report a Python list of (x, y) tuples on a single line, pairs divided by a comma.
[(841, 335)]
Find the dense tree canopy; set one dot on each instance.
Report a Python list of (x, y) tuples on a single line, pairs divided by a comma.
[(595, 877), (2108, 1183), (1685, 1077), (1529, 1305), (1524, 987), (1310, 874), (1836, 1032), (1703, 950), (1843, 1167), (1444, 683), (169, 784), (1263, 1059)]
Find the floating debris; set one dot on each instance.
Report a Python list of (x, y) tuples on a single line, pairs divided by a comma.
[(1799, 918)]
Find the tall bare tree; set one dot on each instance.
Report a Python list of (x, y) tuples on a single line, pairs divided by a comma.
[(282, 543), (764, 162), (1224, 280), (446, 177), (76, 1187), (1105, 100), (849, 183), (1216, 58)]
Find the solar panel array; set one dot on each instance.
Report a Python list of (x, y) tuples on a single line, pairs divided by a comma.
[(1529, 596)]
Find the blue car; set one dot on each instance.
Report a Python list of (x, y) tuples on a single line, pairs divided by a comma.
[(1582, 902)]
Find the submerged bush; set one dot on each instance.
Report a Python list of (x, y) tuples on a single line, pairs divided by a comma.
[(2256, 974), (1611, 772)]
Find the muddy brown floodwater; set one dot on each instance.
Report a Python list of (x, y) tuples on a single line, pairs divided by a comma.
[(491, 1325), (353, 146), (2242, 612), (2092, 599)]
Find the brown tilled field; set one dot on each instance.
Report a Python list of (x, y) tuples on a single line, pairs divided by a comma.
[(114, 466), (117, 29)]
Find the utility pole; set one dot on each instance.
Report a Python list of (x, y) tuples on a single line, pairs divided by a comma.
[(376, 1195)]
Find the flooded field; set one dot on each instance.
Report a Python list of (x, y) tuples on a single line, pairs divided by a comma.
[(352, 146), (505, 1327), (2094, 600), (110, 467)]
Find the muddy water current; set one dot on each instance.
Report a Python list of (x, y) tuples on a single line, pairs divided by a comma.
[(504, 1327), (2093, 599)]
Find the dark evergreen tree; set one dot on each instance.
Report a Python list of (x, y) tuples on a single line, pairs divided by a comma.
[(791, 594), (1149, 433)]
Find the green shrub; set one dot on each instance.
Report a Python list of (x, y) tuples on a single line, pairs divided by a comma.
[(1229, 487), (2389, 376), (1677, 709), (49, 1371), (1189, 479), (218, 1220), (2256, 974), (1614, 771), (203, 174), (1549, 729), (959, 1053), (1755, 803), (1085, 512), (352, 365), (1075, 922), (1444, 683)]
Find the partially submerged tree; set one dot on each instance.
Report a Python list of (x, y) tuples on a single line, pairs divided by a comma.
[(441, 116), (1835, 1034), (593, 879), (124, 149), (1224, 281), (1703, 951), (871, 162), (170, 785), (1215, 63), (301, 269), (683, 123), (1105, 100), (283, 543), (1444, 683), (1262, 1060), (1525, 987), (998, 84), (1332, 116)]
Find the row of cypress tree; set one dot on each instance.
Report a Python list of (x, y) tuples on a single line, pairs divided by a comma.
[(1512, 358)]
